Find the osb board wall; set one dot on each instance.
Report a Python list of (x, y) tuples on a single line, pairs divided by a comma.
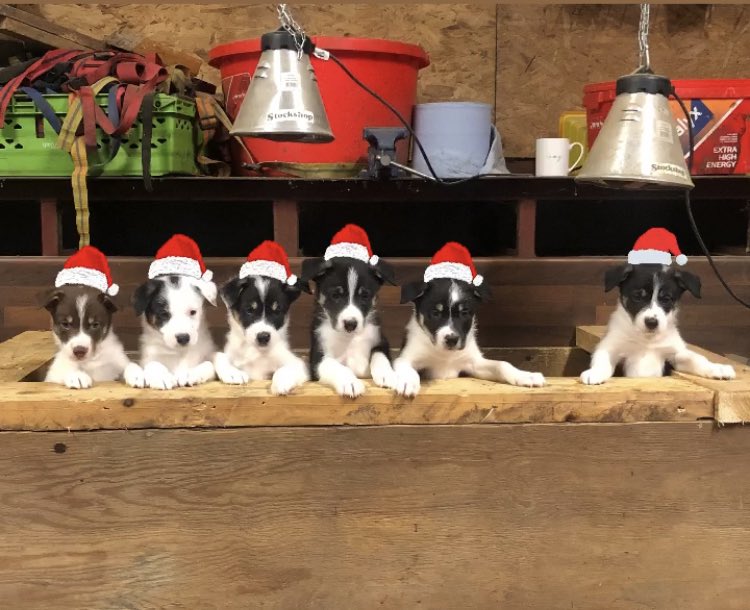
[(530, 61)]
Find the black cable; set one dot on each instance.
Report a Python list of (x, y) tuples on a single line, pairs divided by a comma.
[(689, 208), (408, 128)]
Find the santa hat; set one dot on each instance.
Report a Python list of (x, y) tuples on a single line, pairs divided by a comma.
[(269, 259), (351, 242), (87, 267), (453, 262), (180, 255), (656, 247)]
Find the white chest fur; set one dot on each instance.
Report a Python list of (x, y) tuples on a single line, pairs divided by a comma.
[(350, 350)]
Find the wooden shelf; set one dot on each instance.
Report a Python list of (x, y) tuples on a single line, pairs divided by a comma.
[(286, 194)]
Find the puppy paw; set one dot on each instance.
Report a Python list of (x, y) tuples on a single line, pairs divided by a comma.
[(158, 377), (349, 385), (593, 377), (78, 380), (407, 383), (385, 378), (527, 379), (284, 381), (232, 376), (134, 376), (720, 371)]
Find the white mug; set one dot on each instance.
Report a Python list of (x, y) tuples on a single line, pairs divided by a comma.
[(553, 154)]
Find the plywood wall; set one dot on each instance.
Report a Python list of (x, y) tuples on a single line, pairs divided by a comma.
[(530, 61)]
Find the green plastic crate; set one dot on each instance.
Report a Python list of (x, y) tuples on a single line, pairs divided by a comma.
[(28, 142)]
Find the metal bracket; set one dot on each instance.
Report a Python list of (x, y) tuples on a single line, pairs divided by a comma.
[(382, 151)]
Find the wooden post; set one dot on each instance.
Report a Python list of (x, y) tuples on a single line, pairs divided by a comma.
[(286, 225), (50, 227), (526, 228)]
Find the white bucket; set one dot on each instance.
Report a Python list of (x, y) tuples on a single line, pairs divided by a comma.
[(455, 135)]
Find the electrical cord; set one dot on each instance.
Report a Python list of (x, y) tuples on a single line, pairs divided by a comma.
[(689, 208), (408, 127)]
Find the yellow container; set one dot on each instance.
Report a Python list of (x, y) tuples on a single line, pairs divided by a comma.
[(573, 126)]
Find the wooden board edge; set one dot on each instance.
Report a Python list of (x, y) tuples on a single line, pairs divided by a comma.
[(36, 347)]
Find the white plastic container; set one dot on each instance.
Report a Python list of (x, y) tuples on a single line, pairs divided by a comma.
[(456, 137)]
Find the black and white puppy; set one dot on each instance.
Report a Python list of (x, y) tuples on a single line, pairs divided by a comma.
[(176, 346), (440, 340), (89, 351), (642, 333), (347, 342), (81, 309), (258, 302)]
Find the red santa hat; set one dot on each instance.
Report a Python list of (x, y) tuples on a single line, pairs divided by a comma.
[(351, 242), (656, 247), (180, 255), (87, 267), (453, 261), (269, 259)]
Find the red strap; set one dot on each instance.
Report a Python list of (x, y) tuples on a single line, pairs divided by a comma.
[(88, 108)]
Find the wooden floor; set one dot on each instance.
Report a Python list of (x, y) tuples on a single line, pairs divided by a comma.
[(537, 302)]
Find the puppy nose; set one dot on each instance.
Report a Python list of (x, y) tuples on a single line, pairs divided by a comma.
[(80, 352), (651, 323), (451, 340), (182, 338), (263, 338), (350, 325)]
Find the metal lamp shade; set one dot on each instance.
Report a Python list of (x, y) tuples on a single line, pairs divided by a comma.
[(283, 101), (638, 146)]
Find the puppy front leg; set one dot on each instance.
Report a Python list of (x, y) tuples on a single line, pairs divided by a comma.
[(688, 361), (130, 372), (499, 370), (227, 372), (197, 375), (381, 371), (291, 374), (341, 378), (64, 372), (407, 377), (158, 376), (601, 369)]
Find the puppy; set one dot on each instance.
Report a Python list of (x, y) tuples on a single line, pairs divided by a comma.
[(440, 340), (642, 333), (176, 345), (81, 309), (347, 343), (258, 303)]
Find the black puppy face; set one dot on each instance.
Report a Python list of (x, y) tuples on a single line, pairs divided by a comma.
[(651, 293), (172, 305), (81, 319), (346, 289), (260, 306), (446, 309)]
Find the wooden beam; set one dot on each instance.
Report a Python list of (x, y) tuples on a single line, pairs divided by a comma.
[(50, 224), (24, 354), (286, 225), (19, 23), (732, 398), (526, 228)]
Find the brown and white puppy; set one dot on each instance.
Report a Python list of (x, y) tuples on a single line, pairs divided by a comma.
[(88, 348)]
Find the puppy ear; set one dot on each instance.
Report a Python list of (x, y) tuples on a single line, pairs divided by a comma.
[(303, 286), (293, 291), (412, 291), (231, 291), (385, 272), (690, 282), (614, 276), (208, 290), (313, 268), (108, 303), (483, 292), (50, 299), (143, 295)]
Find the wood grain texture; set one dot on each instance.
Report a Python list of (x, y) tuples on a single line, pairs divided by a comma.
[(622, 517), (24, 354), (732, 398)]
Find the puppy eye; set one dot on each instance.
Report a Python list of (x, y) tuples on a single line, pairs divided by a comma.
[(337, 292), (437, 312), (464, 313), (94, 325), (665, 298), (193, 312), (639, 294), (65, 325), (364, 293)]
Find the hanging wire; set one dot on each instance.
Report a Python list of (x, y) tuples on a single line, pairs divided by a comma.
[(644, 59), (291, 26)]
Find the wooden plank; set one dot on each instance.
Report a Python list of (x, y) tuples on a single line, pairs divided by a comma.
[(50, 222), (24, 354), (42, 30), (526, 228), (286, 225), (22, 31), (732, 398), (136, 42), (622, 517), (41, 406)]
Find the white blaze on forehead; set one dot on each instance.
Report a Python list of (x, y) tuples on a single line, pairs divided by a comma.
[(261, 286), (81, 301), (351, 280), (455, 294)]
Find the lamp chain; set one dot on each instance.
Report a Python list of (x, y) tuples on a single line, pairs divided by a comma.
[(645, 60), (291, 26)]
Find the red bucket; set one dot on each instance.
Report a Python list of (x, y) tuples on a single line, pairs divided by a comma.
[(387, 67), (720, 111)]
